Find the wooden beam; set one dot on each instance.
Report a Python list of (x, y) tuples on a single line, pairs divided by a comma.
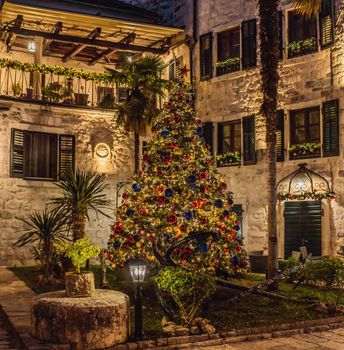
[(11, 37), (127, 40), (86, 41), (75, 50), (47, 42)]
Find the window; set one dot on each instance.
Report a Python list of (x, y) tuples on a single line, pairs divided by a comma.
[(174, 69), (305, 126), (228, 51), (302, 34), (122, 94), (229, 144), (105, 97), (206, 56), (37, 155)]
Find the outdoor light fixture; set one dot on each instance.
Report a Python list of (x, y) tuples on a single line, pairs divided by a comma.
[(31, 46), (137, 269)]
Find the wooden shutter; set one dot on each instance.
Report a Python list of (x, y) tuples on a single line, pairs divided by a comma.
[(326, 23), (219, 138), (66, 154), (249, 134), (206, 56), (280, 136), (330, 128), (17, 153), (249, 43), (280, 34), (208, 136)]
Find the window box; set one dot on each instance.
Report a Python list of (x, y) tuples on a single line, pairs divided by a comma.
[(306, 150), (228, 159), (303, 47), (228, 66)]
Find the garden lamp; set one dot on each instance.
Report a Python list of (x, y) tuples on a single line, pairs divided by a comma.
[(137, 269)]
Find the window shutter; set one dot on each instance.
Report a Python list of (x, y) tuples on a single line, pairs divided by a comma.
[(326, 23), (249, 134), (206, 55), (280, 136), (17, 153), (249, 43), (280, 34), (331, 128), (66, 154), (208, 136), (219, 138)]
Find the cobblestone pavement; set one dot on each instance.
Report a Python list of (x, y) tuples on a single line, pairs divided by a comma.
[(5, 339), (328, 340)]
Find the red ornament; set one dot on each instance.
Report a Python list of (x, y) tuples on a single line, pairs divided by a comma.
[(125, 195), (180, 97), (167, 160), (146, 158), (186, 157), (176, 119), (223, 185), (203, 220), (159, 173), (161, 200), (203, 176), (154, 129), (172, 219)]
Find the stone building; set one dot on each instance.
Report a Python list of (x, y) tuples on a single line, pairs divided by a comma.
[(225, 65), (57, 113)]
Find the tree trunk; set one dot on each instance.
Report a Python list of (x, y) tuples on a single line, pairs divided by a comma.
[(137, 151), (79, 227), (268, 11)]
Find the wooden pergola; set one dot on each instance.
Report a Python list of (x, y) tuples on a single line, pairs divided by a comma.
[(84, 30)]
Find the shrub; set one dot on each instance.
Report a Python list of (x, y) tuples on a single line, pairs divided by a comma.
[(188, 289)]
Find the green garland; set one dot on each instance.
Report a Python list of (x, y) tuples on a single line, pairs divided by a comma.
[(228, 159), (229, 62), (58, 70), (305, 195)]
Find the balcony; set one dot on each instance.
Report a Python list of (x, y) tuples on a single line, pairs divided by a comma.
[(304, 151), (303, 47), (228, 66), (228, 159), (57, 85)]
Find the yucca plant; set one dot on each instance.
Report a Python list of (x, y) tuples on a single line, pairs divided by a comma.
[(143, 80), (45, 230), (82, 192)]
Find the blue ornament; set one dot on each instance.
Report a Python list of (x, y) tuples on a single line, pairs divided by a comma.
[(230, 200), (203, 247), (236, 228), (225, 212), (199, 131), (218, 203), (235, 260), (188, 215), (191, 179), (136, 187), (165, 133), (215, 236), (117, 244), (169, 192), (130, 212)]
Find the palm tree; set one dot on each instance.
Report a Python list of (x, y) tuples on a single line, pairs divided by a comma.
[(143, 80), (45, 230), (308, 7), (81, 192)]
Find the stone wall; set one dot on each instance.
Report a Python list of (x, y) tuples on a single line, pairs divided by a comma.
[(19, 197), (305, 81)]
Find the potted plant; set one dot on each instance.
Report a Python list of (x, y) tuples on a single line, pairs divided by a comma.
[(17, 89), (54, 92), (81, 99), (79, 283)]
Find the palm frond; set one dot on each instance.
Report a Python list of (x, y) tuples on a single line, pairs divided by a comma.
[(308, 8)]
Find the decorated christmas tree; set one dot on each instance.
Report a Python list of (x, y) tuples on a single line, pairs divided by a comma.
[(178, 211)]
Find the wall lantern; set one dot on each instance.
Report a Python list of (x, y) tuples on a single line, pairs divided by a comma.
[(137, 269), (31, 46), (304, 184), (102, 150)]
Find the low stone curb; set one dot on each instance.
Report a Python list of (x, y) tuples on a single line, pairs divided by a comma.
[(235, 336)]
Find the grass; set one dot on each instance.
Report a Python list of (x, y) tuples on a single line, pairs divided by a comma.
[(249, 311)]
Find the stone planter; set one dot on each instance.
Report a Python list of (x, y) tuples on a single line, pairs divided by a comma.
[(79, 284)]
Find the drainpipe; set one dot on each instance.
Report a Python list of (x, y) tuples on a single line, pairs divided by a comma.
[(194, 38)]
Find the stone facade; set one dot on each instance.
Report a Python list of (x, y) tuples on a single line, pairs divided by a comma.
[(19, 197), (306, 81)]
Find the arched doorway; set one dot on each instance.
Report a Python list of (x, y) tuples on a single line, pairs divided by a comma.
[(304, 216)]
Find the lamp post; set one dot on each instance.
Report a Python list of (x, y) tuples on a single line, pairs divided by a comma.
[(138, 270)]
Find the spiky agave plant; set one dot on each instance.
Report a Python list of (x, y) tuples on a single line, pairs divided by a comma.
[(143, 80), (82, 192), (44, 230)]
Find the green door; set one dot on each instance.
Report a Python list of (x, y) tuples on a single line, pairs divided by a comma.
[(302, 226)]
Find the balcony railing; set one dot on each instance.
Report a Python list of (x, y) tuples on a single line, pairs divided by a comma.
[(303, 151), (228, 66), (57, 85), (228, 159), (301, 48)]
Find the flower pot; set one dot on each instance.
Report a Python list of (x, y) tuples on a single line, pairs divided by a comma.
[(79, 284), (81, 99)]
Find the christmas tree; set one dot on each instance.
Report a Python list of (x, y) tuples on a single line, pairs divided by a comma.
[(178, 210)]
